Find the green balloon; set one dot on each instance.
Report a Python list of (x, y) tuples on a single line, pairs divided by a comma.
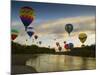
[(69, 28), (14, 31)]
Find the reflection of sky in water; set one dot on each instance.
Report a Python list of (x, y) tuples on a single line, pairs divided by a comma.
[(48, 63)]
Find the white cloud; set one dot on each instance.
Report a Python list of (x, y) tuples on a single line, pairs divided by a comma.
[(56, 29), (82, 23)]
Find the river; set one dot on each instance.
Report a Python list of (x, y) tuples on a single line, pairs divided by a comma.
[(54, 63)]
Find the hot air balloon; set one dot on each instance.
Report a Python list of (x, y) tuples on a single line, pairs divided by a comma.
[(70, 45), (66, 46), (59, 48), (57, 43), (64, 42), (30, 31), (35, 36), (82, 37), (27, 15), (40, 42), (14, 34), (69, 28)]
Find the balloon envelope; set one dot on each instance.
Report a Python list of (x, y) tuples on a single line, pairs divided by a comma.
[(69, 28), (40, 42), (82, 37), (30, 31), (27, 15), (57, 43), (66, 46), (70, 45), (64, 42), (60, 48), (14, 34), (35, 36)]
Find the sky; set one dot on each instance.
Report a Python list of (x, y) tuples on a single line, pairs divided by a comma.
[(50, 21)]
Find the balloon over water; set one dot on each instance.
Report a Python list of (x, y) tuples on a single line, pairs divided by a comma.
[(30, 31), (14, 34), (59, 48), (57, 43), (70, 45), (66, 46), (27, 15), (82, 37), (35, 36), (40, 42), (69, 28), (64, 42)]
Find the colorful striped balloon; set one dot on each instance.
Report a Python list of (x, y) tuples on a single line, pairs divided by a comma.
[(27, 15)]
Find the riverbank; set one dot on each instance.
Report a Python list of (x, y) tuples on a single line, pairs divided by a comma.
[(20, 59), (81, 52), (86, 51), (22, 69), (18, 64)]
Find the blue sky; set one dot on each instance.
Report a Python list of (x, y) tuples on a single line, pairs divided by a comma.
[(47, 11), (51, 19)]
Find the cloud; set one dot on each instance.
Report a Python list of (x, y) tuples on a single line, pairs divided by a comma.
[(55, 29), (17, 25), (82, 23)]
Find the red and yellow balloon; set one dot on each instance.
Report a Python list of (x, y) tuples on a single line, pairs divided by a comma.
[(14, 34)]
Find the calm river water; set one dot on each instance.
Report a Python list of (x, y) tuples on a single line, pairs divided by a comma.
[(53, 63)]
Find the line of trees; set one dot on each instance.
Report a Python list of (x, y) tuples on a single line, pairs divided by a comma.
[(23, 49)]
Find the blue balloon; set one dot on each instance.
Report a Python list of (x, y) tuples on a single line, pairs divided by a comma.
[(30, 33), (70, 45)]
